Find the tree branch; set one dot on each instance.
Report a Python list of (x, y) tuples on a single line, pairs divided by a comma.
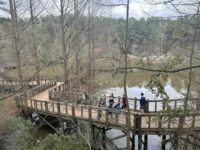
[(164, 71)]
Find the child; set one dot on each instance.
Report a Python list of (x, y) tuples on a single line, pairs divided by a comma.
[(111, 103)]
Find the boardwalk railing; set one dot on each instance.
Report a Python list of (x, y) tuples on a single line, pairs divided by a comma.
[(25, 82), (33, 91), (147, 122), (58, 94), (160, 105)]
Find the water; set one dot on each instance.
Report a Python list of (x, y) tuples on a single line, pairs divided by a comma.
[(154, 141), (134, 92)]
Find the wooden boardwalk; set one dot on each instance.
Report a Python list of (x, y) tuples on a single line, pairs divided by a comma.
[(17, 83), (37, 100)]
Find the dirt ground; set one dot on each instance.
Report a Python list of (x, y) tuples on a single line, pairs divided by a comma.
[(8, 108)]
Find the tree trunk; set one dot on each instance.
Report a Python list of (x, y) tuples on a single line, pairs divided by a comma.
[(125, 76), (89, 48), (93, 47), (16, 38), (64, 49), (191, 61), (77, 46), (34, 48)]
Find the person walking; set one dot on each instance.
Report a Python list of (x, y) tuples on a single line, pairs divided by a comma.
[(111, 103), (100, 107), (142, 102), (124, 101)]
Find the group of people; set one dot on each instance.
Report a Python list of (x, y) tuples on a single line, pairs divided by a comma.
[(121, 104)]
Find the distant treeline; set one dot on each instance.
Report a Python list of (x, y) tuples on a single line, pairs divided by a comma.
[(146, 36)]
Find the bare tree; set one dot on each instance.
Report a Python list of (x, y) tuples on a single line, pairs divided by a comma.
[(34, 47), (125, 71), (64, 48), (89, 45), (16, 37)]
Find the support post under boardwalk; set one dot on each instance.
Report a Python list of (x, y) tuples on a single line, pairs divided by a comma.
[(145, 142), (93, 137), (133, 141), (137, 128), (139, 141), (163, 142), (91, 127), (104, 138)]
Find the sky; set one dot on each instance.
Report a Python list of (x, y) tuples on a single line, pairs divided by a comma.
[(144, 8), (138, 8)]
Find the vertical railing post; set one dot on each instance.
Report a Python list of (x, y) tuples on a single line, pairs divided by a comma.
[(127, 118), (193, 121), (160, 122), (66, 108), (146, 110), (41, 105), (107, 116), (149, 123), (46, 106), (52, 106), (169, 121), (155, 106), (89, 113), (58, 108), (81, 111), (35, 105), (73, 111), (135, 103)]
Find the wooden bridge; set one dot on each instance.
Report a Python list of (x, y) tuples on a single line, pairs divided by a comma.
[(13, 85), (164, 122)]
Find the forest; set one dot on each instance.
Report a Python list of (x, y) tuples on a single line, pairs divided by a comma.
[(146, 36), (62, 62)]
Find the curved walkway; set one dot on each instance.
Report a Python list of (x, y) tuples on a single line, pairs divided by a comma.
[(165, 123)]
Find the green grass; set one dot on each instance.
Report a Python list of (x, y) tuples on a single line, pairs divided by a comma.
[(49, 71)]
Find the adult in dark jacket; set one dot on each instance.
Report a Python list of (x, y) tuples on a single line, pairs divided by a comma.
[(124, 99), (142, 102)]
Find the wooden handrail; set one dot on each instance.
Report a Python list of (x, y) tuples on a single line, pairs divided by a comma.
[(136, 123)]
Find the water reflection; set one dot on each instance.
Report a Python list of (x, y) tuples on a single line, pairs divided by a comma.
[(154, 141), (135, 92)]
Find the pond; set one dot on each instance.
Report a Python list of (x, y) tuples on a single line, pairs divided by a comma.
[(135, 92)]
